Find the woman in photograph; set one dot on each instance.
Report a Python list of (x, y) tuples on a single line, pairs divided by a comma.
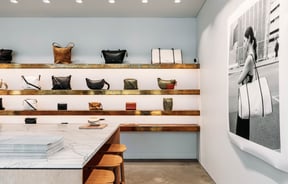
[(246, 76)]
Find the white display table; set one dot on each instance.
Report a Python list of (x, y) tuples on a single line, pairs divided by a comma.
[(69, 165)]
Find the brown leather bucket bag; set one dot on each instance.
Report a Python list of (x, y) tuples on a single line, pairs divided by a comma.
[(62, 55)]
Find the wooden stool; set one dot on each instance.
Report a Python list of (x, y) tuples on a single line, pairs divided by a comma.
[(118, 149), (111, 162), (100, 176)]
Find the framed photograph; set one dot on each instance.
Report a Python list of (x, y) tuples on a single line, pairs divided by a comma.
[(253, 81)]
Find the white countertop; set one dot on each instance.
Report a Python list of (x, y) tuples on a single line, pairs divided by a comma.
[(79, 145)]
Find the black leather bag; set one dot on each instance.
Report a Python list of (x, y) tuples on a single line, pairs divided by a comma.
[(5, 55), (114, 56), (96, 84), (30, 120), (62, 106), (61, 83)]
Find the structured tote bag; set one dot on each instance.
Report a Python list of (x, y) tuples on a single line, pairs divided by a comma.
[(254, 98), (161, 56)]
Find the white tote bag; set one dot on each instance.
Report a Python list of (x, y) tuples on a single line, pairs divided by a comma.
[(30, 104), (166, 56), (255, 99), (31, 82)]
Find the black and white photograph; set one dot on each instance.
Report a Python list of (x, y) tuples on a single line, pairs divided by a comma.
[(253, 73)]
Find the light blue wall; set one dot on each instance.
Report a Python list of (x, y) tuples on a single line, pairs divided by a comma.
[(31, 38)]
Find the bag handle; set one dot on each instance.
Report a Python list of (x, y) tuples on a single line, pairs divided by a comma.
[(108, 85), (37, 87), (69, 45)]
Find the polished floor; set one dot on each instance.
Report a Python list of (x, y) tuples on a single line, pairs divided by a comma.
[(166, 173)]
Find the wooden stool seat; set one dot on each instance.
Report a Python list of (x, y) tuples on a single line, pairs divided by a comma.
[(118, 149), (111, 162), (100, 176)]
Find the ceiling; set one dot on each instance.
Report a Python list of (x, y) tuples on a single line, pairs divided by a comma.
[(101, 8)]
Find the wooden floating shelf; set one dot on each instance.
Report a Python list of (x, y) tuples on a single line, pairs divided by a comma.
[(135, 127), (101, 112), (100, 92), (100, 66)]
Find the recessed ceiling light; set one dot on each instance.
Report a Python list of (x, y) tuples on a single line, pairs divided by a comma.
[(79, 1), (14, 1), (144, 1), (111, 1), (46, 1), (177, 1)]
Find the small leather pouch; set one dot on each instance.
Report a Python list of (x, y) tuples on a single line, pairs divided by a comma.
[(130, 105), (130, 84), (62, 106), (30, 120), (95, 106)]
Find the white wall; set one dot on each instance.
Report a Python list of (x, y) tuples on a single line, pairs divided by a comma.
[(224, 161), (31, 38)]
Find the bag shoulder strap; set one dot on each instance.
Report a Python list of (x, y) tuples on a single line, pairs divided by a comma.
[(173, 55), (37, 87)]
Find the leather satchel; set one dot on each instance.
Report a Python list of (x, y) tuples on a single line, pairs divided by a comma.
[(61, 83), (62, 55), (96, 84), (114, 56), (5, 55)]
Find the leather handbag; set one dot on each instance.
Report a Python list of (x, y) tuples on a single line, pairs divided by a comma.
[(96, 84), (172, 56), (166, 84), (3, 85), (30, 120), (31, 82), (62, 55), (254, 98), (114, 56), (62, 106), (61, 83), (130, 84), (94, 106), (30, 104), (6, 55)]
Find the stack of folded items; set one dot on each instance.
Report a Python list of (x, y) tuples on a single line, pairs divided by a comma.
[(30, 146)]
